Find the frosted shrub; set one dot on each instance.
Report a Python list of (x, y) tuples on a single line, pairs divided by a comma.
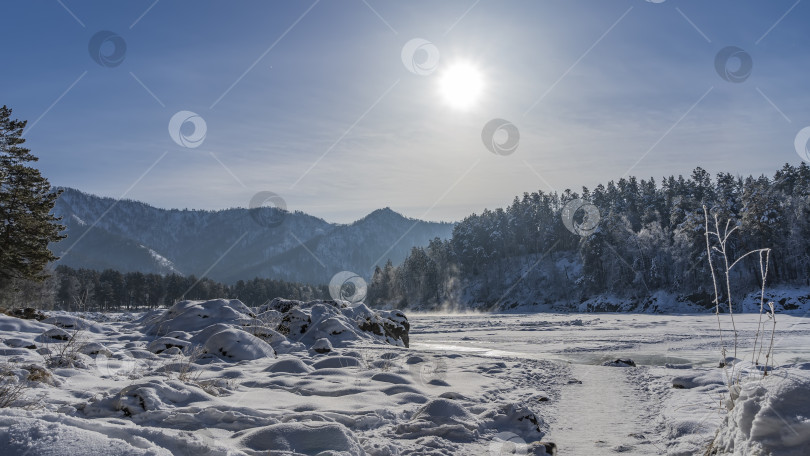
[(718, 241)]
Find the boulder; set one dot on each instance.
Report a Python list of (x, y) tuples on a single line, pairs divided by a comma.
[(621, 362), (29, 313), (542, 448), (322, 346)]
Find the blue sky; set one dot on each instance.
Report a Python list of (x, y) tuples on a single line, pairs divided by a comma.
[(315, 104)]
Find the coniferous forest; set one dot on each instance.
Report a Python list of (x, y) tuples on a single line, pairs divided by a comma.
[(66, 288), (649, 238)]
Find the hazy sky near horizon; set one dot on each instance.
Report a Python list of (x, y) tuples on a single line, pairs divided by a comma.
[(315, 101)]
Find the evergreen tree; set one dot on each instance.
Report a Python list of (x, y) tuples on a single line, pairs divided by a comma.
[(26, 200)]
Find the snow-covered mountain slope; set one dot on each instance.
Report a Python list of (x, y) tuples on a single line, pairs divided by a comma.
[(133, 236), (357, 247)]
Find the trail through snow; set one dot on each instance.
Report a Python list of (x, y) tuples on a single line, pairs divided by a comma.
[(605, 413)]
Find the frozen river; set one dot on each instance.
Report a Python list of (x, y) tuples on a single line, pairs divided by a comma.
[(654, 340), (604, 410)]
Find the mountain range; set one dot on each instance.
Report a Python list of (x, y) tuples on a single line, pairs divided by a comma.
[(231, 244)]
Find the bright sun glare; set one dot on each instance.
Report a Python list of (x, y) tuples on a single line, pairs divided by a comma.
[(460, 85)]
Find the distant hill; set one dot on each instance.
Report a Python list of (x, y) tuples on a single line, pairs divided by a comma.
[(132, 236)]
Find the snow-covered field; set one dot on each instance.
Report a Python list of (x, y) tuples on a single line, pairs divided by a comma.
[(340, 380), (636, 410)]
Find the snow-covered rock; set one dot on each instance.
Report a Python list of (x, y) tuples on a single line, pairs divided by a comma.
[(73, 323), (296, 322), (196, 315), (322, 346), (303, 438), (162, 344), (19, 326), (696, 379), (336, 362), (94, 348), (143, 397), (237, 345), (289, 366), (441, 417), (339, 322), (620, 362), (28, 313), (55, 334), (15, 342)]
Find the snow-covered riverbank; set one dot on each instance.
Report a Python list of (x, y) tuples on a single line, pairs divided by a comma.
[(468, 384)]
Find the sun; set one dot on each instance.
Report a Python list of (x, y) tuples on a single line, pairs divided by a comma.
[(460, 85)]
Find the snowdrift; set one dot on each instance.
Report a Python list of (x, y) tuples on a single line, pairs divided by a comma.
[(770, 416)]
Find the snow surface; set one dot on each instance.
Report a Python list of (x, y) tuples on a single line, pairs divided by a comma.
[(219, 378)]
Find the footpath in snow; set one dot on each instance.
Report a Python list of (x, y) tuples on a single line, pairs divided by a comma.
[(599, 411)]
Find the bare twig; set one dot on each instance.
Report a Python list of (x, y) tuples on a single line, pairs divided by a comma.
[(12, 389), (764, 257)]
